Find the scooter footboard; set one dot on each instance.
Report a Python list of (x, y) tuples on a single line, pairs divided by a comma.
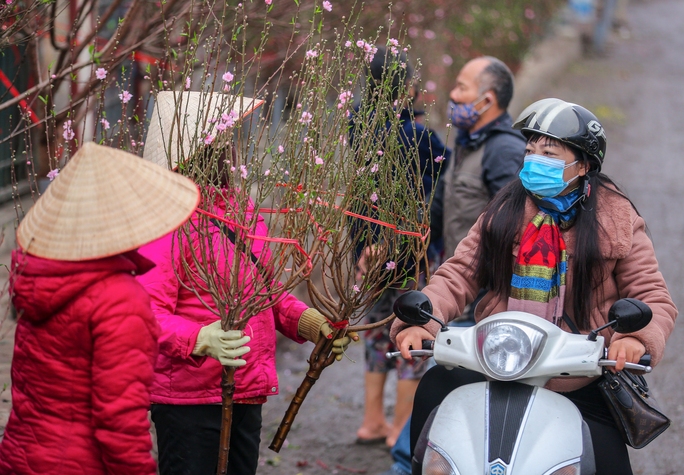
[(507, 428)]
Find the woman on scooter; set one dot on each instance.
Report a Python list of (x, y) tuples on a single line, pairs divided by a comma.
[(561, 242)]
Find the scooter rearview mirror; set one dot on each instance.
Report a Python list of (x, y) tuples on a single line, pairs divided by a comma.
[(407, 307), (630, 315), (626, 316), (414, 308)]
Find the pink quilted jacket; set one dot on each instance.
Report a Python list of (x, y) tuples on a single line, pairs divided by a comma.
[(84, 351), (180, 377)]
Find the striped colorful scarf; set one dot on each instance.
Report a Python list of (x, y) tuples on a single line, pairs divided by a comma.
[(538, 284)]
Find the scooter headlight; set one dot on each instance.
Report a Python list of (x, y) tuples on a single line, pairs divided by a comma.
[(508, 349), (437, 462)]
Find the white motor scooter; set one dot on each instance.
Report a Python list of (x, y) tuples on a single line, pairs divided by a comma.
[(511, 425)]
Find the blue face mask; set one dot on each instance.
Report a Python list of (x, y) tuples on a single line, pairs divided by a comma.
[(543, 176)]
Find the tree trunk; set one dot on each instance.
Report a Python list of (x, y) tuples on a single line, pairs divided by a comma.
[(321, 357), (228, 389)]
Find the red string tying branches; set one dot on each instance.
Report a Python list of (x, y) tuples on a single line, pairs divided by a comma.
[(320, 234), (294, 242), (13, 90)]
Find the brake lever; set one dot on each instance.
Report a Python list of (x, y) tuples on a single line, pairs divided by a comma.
[(630, 366), (428, 350), (394, 354)]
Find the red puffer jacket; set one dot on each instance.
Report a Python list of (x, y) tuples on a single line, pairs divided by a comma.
[(85, 346)]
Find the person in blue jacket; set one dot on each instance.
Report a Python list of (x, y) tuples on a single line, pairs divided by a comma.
[(433, 155)]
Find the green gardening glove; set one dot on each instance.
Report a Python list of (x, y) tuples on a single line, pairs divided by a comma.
[(226, 347)]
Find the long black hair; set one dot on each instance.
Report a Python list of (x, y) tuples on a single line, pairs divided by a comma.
[(502, 226)]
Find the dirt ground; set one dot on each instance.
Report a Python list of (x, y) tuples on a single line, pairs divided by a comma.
[(322, 438), (636, 92)]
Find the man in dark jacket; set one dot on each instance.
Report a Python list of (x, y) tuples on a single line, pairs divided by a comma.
[(489, 153)]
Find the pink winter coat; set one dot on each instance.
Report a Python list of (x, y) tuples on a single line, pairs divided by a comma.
[(84, 352), (180, 377)]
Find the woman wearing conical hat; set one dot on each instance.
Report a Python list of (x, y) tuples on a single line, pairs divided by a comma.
[(186, 393), (86, 338)]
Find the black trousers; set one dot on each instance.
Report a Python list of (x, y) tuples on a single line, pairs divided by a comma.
[(610, 450), (188, 438)]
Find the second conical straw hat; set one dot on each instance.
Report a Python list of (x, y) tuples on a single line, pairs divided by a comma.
[(104, 202), (182, 120)]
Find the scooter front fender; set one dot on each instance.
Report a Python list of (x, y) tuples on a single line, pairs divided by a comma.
[(507, 428)]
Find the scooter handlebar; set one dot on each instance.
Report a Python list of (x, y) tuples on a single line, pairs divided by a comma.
[(428, 346), (394, 354), (630, 366)]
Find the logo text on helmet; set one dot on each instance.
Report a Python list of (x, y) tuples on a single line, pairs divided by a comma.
[(596, 129)]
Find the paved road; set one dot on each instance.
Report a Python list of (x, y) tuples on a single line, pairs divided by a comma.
[(637, 93)]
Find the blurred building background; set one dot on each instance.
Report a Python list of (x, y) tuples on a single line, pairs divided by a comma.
[(442, 34)]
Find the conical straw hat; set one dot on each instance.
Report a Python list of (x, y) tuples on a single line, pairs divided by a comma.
[(182, 120), (104, 202)]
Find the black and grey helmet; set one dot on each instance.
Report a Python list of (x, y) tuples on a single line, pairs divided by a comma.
[(570, 123)]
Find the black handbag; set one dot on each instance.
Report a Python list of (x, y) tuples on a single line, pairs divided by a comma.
[(636, 413)]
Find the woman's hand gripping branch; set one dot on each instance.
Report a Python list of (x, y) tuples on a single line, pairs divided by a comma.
[(313, 325), (224, 346)]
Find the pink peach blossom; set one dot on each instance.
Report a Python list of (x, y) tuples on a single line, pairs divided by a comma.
[(306, 117), (52, 174), (68, 133), (125, 96)]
